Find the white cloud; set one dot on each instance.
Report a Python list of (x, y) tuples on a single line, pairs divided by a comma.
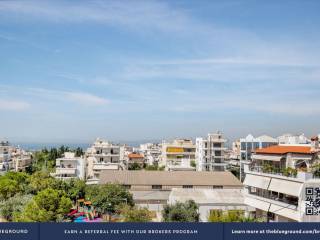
[(13, 105), (86, 98)]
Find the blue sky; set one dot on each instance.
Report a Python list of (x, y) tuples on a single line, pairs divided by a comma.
[(132, 70)]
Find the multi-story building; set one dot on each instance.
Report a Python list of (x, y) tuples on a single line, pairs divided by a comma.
[(13, 158), (178, 155), (249, 144), (151, 152), (70, 167), (134, 159), (21, 159), (103, 155), (280, 181), (293, 139), (6, 162), (210, 153)]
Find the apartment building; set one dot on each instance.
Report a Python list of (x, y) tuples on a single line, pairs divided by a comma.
[(178, 155), (278, 182), (103, 155), (293, 139), (70, 166), (151, 152), (249, 144), (13, 158), (134, 159), (210, 153)]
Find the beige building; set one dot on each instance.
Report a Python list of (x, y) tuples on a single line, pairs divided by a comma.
[(178, 155), (102, 155)]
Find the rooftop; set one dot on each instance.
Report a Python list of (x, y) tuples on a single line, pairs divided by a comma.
[(205, 196), (169, 178), (135, 155), (280, 149)]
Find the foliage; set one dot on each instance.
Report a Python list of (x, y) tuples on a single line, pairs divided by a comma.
[(134, 166), (106, 197), (316, 170), (12, 183), (47, 206), (134, 214), (151, 167), (193, 163), (289, 172), (74, 188), (79, 152), (41, 180), (228, 216), (13, 206), (181, 212), (236, 172)]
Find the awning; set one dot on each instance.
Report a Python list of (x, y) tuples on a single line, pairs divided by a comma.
[(253, 202), (285, 186), (286, 212), (257, 181), (266, 157)]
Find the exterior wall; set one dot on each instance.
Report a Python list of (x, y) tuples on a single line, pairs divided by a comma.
[(210, 153), (179, 153), (169, 187), (103, 155)]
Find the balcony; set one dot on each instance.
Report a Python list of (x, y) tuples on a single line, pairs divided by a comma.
[(106, 166), (69, 171), (281, 173)]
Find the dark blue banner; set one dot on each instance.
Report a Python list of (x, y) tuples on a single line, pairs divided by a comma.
[(159, 231)]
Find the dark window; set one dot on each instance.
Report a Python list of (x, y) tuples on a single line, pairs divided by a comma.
[(156, 186), (127, 186), (217, 187), (187, 186)]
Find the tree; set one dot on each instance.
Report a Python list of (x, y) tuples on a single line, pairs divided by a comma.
[(229, 216), (41, 180), (48, 205), (106, 197), (134, 214), (79, 152), (13, 206), (193, 163), (181, 212), (8, 188), (134, 166)]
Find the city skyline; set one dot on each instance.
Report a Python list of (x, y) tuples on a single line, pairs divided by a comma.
[(134, 70)]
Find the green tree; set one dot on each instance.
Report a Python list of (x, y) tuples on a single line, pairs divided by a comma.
[(193, 163), (106, 197), (79, 152), (181, 212), (13, 206), (41, 180), (134, 214), (48, 205), (229, 216), (8, 188), (134, 166)]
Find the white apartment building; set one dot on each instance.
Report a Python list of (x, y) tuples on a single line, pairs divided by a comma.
[(249, 144), (293, 139), (13, 158), (69, 167), (178, 155), (103, 155), (279, 181), (210, 153), (151, 152)]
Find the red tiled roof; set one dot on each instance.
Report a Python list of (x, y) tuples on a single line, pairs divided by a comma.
[(135, 155), (285, 149)]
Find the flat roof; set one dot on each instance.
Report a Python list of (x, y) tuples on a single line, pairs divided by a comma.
[(169, 178), (207, 196)]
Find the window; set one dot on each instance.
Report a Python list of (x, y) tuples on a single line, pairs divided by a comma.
[(156, 186), (217, 187), (187, 186), (127, 186)]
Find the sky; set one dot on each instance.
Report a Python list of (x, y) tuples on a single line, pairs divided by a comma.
[(71, 71)]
